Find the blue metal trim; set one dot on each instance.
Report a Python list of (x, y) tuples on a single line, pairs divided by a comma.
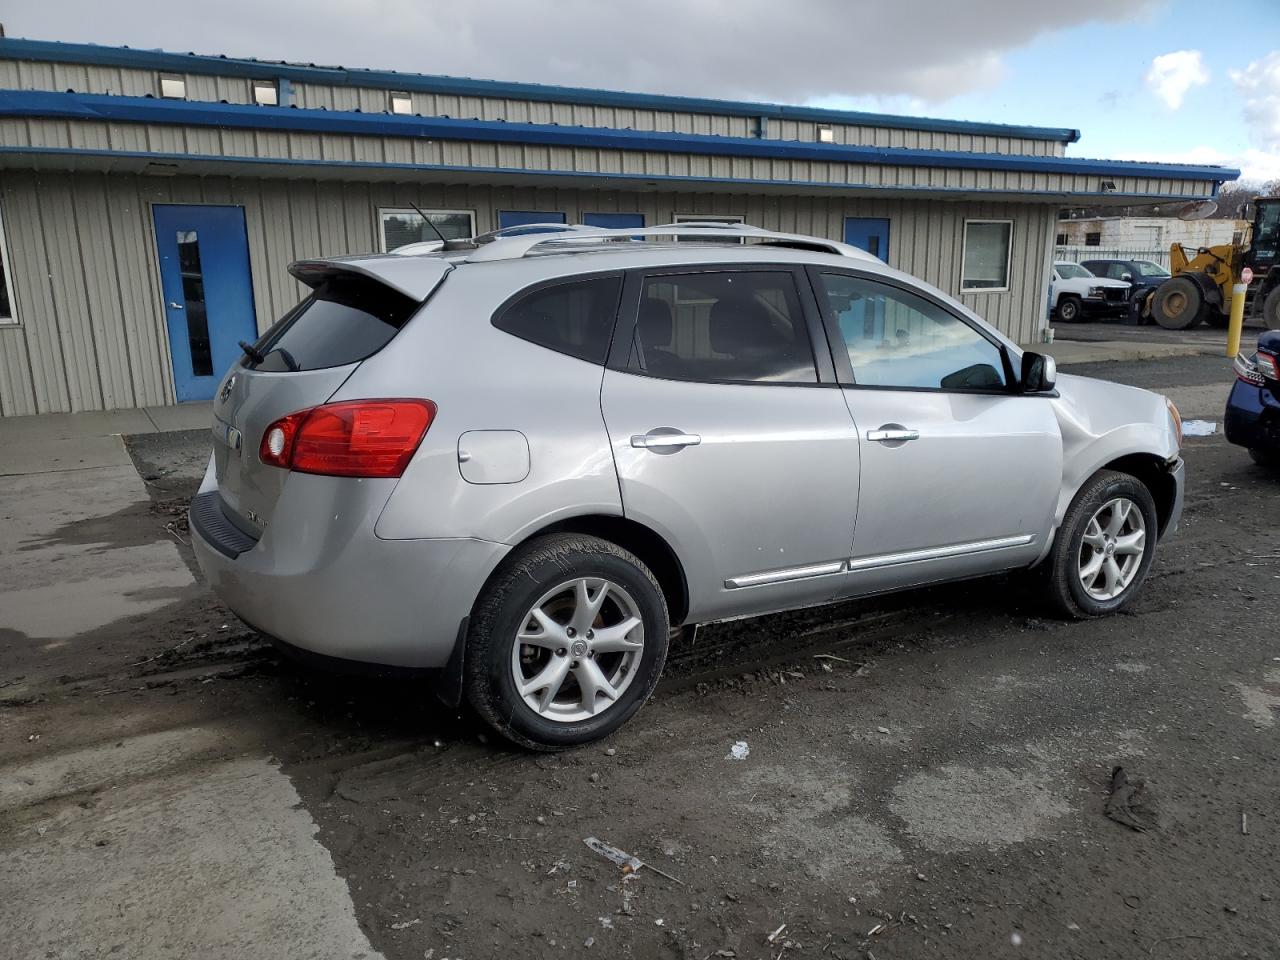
[(47, 51), (801, 186), (102, 107)]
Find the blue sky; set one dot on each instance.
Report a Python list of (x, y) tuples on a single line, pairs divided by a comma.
[(1092, 77), (1085, 64)]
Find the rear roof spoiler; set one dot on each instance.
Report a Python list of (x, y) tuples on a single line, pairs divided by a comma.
[(415, 277)]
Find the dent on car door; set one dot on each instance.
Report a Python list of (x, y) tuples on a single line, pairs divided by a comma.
[(960, 472), (731, 437)]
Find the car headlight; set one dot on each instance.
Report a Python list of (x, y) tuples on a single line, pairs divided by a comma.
[(1095, 292), (1175, 419)]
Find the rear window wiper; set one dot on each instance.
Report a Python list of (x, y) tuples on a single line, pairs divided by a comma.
[(252, 352)]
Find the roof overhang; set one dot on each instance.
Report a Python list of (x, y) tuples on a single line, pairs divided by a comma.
[(116, 109), (161, 165), (46, 51)]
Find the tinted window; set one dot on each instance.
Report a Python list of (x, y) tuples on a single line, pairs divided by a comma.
[(1148, 269), (575, 317), (346, 319), (897, 339), (723, 326)]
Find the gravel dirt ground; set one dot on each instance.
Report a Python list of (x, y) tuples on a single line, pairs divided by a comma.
[(925, 774)]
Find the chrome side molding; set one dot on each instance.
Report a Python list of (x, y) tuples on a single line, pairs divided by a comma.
[(860, 564), (857, 564), (782, 576)]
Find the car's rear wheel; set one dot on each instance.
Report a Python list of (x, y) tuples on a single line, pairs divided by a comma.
[(1069, 309), (1265, 458), (566, 643), (1104, 547)]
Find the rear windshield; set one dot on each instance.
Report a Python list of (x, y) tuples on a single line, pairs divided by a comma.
[(346, 319)]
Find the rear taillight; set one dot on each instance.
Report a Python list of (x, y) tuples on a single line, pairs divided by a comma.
[(1266, 364), (358, 438), (1247, 371)]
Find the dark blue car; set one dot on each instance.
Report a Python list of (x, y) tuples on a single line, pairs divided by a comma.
[(1145, 275), (1253, 408)]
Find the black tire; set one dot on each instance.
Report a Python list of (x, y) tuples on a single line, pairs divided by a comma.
[(1064, 591), (1177, 304), (1271, 309), (1069, 309), (508, 598), (1265, 458)]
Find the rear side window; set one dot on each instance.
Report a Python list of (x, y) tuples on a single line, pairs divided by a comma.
[(723, 326), (346, 319), (575, 317)]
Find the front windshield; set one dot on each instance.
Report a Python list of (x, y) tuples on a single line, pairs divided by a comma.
[(1148, 269), (1072, 271)]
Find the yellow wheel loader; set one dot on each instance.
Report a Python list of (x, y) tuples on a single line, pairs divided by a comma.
[(1200, 287)]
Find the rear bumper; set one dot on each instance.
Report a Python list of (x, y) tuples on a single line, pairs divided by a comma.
[(1252, 417), (342, 592)]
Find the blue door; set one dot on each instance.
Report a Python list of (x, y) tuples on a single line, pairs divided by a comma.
[(520, 218), (866, 320), (613, 221), (868, 233), (208, 295)]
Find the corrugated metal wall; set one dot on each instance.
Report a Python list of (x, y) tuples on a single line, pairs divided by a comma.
[(83, 78), (210, 142), (86, 284)]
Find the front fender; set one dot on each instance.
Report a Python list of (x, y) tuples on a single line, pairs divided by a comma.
[(1102, 422)]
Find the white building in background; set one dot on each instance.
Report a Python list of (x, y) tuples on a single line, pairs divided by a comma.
[(1147, 237)]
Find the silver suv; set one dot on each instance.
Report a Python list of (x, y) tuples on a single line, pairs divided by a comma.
[(527, 458)]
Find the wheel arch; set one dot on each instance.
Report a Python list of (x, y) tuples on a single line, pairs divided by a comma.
[(650, 546), (1153, 472)]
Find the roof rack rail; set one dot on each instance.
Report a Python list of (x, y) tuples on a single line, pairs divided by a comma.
[(508, 246)]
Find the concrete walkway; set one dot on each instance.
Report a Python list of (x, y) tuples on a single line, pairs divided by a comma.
[(1067, 352), (81, 441), (143, 836)]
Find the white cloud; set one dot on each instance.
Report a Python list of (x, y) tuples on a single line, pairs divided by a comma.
[(760, 49), (1172, 75), (1259, 85)]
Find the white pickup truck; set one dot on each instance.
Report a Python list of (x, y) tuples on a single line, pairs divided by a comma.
[(1075, 292)]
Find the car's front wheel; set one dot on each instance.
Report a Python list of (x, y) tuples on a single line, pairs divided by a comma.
[(1104, 547), (566, 643), (1069, 309)]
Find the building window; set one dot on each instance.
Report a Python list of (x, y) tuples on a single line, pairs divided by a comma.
[(705, 218), (1061, 240), (826, 135), (173, 87), (266, 93), (1093, 239), (397, 227), (401, 103), (8, 314), (987, 250)]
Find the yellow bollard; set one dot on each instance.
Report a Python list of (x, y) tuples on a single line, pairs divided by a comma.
[(1237, 319)]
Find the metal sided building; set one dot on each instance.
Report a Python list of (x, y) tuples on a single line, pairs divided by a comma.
[(151, 202)]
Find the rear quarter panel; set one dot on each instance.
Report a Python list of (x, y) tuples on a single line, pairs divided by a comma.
[(483, 379)]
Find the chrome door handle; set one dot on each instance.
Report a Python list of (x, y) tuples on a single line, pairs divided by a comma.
[(885, 434), (174, 305), (665, 440)]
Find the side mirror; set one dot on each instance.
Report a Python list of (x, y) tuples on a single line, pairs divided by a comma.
[(1127, 277), (1039, 373)]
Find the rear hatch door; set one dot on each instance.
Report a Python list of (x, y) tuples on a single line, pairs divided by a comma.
[(354, 309)]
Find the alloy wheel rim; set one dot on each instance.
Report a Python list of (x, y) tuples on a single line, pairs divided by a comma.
[(577, 649), (1111, 551)]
